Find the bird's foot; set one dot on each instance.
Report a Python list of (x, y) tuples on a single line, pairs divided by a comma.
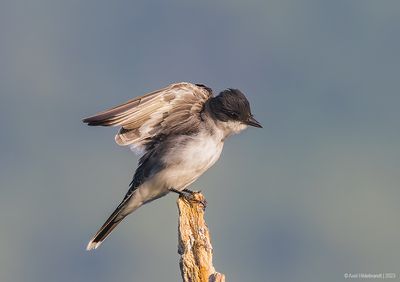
[(190, 196), (190, 191)]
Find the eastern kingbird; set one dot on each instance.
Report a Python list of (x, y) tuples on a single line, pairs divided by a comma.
[(179, 131)]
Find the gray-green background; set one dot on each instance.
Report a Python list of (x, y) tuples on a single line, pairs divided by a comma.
[(313, 195)]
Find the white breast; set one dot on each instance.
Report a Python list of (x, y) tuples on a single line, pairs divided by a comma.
[(192, 156)]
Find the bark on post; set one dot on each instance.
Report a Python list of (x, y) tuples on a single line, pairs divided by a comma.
[(194, 244)]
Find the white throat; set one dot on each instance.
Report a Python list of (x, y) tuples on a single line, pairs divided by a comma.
[(229, 128)]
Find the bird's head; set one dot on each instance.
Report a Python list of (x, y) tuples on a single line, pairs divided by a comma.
[(232, 108)]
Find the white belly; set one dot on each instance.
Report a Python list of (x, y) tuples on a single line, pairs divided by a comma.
[(190, 160)]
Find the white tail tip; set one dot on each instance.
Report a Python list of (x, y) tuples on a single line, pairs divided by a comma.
[(93, 245)]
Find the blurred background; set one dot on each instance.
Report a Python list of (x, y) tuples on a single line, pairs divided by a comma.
[(313, 195)]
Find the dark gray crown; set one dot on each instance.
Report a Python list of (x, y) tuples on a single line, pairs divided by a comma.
[(231, 104)]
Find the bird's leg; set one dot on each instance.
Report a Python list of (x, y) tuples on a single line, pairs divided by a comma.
[(180, 193), (189, 195)]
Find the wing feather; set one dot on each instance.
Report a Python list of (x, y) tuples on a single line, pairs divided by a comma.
[(111, 116), (169, 110)]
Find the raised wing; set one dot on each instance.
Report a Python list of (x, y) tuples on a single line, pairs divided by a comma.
[(171, 110)]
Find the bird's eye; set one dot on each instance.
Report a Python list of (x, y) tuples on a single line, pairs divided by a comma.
[(233, 115)]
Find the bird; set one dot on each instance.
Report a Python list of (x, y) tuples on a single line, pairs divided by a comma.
[(179, 133)]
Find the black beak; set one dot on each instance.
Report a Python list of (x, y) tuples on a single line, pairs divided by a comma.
[(253, 122)]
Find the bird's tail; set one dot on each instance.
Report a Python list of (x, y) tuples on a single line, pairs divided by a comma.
[(115, 218), (105, 230)]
